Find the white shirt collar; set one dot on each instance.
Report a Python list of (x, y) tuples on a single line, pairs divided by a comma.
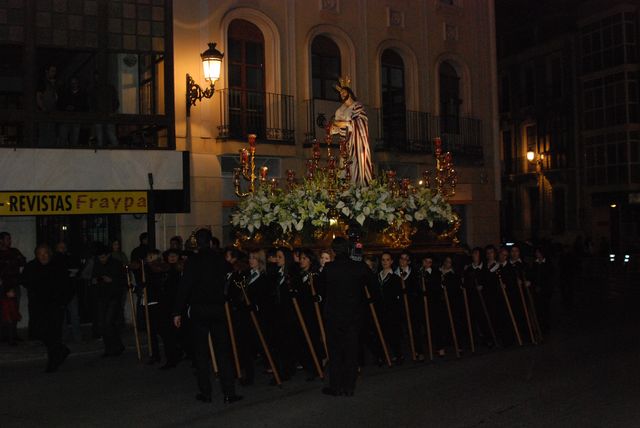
[(476, 266)]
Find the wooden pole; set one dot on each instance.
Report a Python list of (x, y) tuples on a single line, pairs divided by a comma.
[(427, 318), (534, 313), (376, 322), (214, 363), (133, 314), (526, 312), (506, 301), (453, 327), (407, 311), (145, 301), (307, 337), (232, 335), (468, 312), (316, 305), (265, 348), (486, 314)]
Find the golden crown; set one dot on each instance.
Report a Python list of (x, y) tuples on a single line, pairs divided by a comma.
[(345, 82)]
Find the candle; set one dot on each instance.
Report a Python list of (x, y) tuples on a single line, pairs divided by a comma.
[(252, 141), (263, 172), (244, 157)]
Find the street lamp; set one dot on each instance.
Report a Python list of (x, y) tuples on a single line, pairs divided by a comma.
[(212, 66), (538, 159)]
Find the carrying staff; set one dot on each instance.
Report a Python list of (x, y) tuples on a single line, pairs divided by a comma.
[(503, 287), (133, 314), (447, 274), (316, 304), (518, 266), (407, 282), (293, 291), (427, 319), (468, 313), (256, 324), (145, 302)]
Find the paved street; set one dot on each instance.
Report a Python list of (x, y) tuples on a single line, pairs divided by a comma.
[(585, 375)]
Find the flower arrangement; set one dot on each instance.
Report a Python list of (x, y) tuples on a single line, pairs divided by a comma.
[(311, 206)]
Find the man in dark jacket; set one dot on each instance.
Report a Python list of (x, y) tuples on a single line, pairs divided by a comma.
[(344, 307), (202, 289), (110, 281), (49, 293)]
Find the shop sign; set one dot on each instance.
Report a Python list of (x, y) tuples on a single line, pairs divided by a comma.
[(67, 203)]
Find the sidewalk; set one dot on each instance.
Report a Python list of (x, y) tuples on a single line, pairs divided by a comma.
[(31, 351)]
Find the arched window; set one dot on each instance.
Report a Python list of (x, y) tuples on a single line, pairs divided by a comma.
[(325, 68), (449, 98), (393, 100), (246, 94)]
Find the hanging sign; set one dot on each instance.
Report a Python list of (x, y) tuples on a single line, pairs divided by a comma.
[(67, 203)]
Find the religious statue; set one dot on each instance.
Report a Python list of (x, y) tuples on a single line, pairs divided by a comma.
[(351, 123)]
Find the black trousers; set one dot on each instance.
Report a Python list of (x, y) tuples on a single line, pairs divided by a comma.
[(109, 308), (342, 341), (212, 322), (52, 336)]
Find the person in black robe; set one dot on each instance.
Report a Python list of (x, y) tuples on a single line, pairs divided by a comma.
[(343, 310), (49, 292), (412, 283), (452, 282), (477, 284), (202, 289), (109, 280), (391, 308), (542, 278), (440, 331)]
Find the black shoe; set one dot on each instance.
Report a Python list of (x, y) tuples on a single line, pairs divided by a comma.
[(310, 378), (51, 368), (152, 361), (119, 351), (330, 391), (203, 397), (228, 399), (246, 382), (348, 393)]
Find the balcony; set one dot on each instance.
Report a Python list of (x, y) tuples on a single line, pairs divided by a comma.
[(462, 136), (86, 130), (270, 116), (408, 132)]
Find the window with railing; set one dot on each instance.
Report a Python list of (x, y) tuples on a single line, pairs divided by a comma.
[(325, 68), (450, 100), (245, 96), (394, 116)]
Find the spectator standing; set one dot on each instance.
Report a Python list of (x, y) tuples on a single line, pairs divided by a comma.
[(11, 260)]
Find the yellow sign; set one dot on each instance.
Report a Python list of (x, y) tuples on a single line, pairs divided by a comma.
[(64, 203)]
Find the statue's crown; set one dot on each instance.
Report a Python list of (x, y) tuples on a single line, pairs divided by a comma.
[(345, 82)]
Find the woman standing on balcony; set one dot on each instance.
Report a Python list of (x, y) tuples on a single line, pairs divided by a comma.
[(351, 123)]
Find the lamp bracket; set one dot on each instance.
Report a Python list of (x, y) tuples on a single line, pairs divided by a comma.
[(195, 93)]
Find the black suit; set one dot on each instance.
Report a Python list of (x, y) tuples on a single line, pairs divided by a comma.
[(203, 289), (344, 310), (49, 293)]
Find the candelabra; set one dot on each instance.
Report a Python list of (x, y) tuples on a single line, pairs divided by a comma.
[(247, 170)]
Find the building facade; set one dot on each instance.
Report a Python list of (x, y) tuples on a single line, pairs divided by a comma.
[(422, 68), (569, 94), (92, 100)]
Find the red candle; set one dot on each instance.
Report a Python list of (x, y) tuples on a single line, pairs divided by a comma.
[(252, 141), (263, 172), (244, 156)]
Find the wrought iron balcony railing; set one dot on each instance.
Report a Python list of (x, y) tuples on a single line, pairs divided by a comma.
[(269, 116)]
